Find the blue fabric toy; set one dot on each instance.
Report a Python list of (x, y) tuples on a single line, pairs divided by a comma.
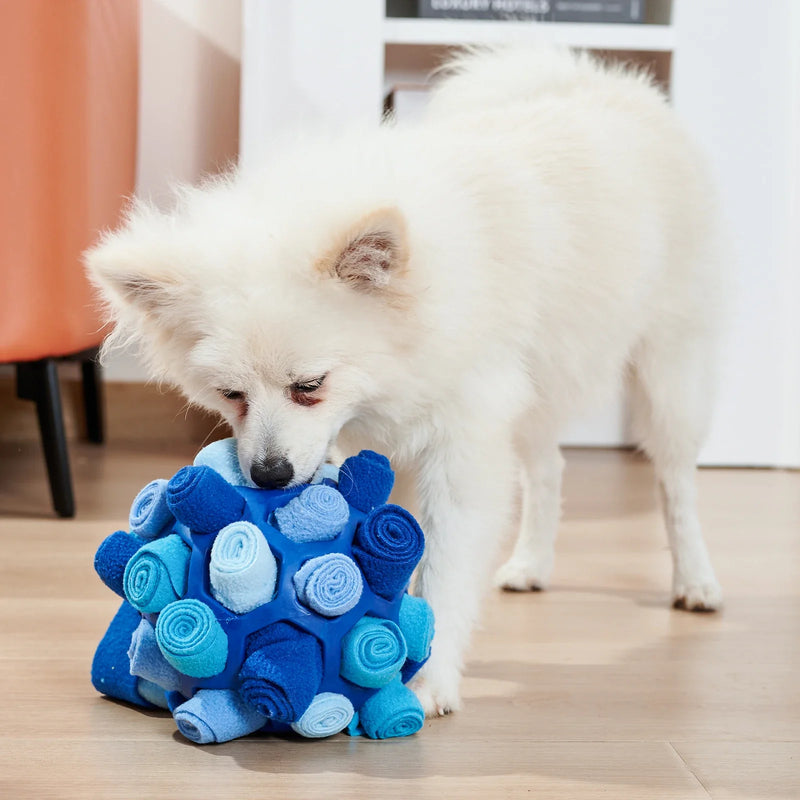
[(113, 556), (150, 514), (393, 711), (243, 570), (366, 480), (373, 652), (191, 638), (416, 623), (203, 500), (157, 573), (250, 610), (387, 547), (148, 662), (330, 585), (317, 514), (111, 672), (217, 715), (270, 678), (222, 457), (327, 714)]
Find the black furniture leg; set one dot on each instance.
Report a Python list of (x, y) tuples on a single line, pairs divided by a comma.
[(38, 381), (93, 399)]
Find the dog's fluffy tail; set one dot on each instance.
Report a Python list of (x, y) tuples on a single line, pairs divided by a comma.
[(485, 77)]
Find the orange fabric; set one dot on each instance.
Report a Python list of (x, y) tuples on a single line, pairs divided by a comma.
[(68, 106)]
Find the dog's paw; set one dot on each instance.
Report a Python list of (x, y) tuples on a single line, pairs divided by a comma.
[(517, 575), (436, 700), (435, 703), (700, 595)]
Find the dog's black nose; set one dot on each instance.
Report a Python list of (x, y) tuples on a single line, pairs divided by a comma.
[(271, 473)]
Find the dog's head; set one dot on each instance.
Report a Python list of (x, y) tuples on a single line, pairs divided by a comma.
[(282, 326)]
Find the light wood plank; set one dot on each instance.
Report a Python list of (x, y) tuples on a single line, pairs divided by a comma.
[(594, 689)]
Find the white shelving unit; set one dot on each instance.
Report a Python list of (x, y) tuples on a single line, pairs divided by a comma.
[(396, 30), (734, 77), (314, 61)]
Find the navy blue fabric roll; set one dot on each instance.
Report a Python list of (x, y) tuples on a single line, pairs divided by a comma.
[(282, 671), (113, 556), (203, 500), (366, 480), (388, 546), (111, 672)]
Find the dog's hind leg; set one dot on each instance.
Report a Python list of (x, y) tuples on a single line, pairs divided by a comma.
[(673, 395), (531, 562)]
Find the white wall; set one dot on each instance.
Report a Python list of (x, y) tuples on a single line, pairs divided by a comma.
[(188, 103), (736, 82)]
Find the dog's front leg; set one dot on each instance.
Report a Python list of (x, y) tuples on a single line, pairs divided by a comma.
[(465, 491)]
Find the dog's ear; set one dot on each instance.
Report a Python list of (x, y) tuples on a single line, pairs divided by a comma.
[(371, 253), (130, 279)]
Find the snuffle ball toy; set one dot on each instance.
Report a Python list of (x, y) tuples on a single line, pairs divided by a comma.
[(248, 609)]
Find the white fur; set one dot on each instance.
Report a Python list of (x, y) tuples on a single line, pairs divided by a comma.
[(548, 226)]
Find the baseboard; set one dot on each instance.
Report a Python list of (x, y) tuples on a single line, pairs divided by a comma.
[(136, 413)]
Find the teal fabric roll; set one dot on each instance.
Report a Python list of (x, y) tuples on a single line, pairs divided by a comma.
[(393, 711), (416, 623), (217, 715), (157, 573), (191, 639), (329, 713), (317, 514), (242, 569), (373, 652)]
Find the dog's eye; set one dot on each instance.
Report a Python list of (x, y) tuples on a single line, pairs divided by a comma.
[(304, 387), (302, 392), (232, 394)]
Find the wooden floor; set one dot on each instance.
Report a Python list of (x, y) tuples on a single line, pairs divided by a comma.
[(594, 689)]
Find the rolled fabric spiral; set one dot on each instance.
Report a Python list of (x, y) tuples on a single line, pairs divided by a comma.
[(203, 500), (282, 671), (366, 480), (417, 624), (329, 713), (388, 546), (150, 515), (330, 585), (317, 514), (392, 711), (373, 652), (217, 715), (242, 569), (223, 458), (157, 574), (148, 662), (191, 639), (113, 556)]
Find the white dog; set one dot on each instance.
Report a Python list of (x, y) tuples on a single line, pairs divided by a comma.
[(452, 291)]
